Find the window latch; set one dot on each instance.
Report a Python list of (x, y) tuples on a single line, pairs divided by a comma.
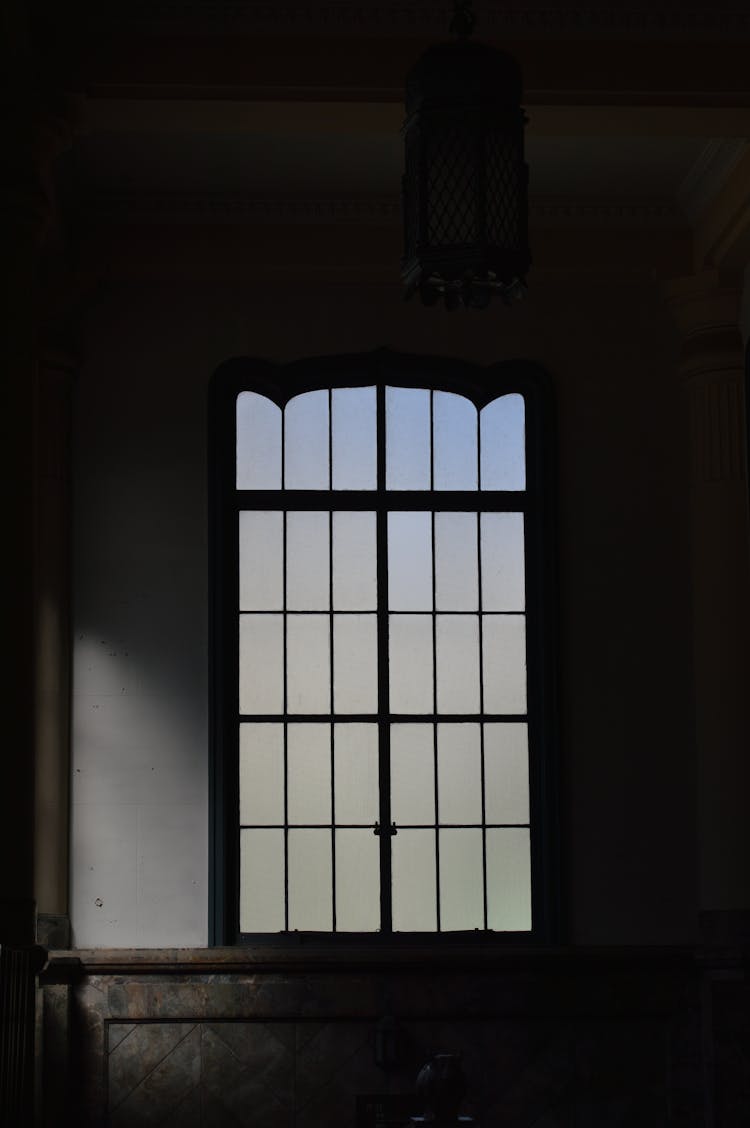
[(378, 830)]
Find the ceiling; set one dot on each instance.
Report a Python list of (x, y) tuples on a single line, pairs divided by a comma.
[(250, 115)]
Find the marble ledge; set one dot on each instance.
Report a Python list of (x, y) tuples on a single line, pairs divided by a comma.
[(307, 957)]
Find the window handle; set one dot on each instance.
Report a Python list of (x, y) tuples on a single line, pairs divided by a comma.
[(378, 830)]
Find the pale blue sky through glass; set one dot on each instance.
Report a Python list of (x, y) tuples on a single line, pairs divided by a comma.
[(407, 439), (258, 443), (455, 442), (503, 436)]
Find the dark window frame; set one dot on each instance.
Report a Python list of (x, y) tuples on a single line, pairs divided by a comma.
[(480, 384)]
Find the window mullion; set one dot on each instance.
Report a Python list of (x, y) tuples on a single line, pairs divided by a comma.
[(384, 731), (434, 666), (286, 739), (284, 690), (331, 687)]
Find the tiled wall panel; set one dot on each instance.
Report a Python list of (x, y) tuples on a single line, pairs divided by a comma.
[(218, 1038)]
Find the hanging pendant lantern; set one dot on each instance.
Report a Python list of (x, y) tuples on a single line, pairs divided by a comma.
[(465, 185)]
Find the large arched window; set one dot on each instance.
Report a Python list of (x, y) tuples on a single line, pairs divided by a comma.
[(382, 675)]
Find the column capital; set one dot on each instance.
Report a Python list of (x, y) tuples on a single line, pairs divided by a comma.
[(705, 302), (706, 310)]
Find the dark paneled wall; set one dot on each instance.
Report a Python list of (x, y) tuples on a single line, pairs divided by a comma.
[(272, 1039)]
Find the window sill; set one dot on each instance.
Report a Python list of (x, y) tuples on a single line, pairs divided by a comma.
[(255, 959)]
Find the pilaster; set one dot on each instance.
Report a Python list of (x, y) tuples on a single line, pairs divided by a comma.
[(706, 308), (34, 136)]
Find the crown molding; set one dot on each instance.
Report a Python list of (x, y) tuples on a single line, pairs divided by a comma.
[(660, 18), (710, 171), (378, 211), (605, 213), (227, 207)]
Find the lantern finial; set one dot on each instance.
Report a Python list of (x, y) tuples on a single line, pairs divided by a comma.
[(463, 20)]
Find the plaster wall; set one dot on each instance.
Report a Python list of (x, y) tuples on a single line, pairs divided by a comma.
[(140, 748)]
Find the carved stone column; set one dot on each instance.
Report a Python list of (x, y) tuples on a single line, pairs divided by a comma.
[(707, 309)]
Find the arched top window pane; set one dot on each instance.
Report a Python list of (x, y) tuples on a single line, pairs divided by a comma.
[(258, 443), (353, 426), (329, 441), (306, 429), (503, 437), (407, 439), (454, 426)]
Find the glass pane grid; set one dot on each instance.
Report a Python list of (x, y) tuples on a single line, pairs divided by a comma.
[(449, 645)]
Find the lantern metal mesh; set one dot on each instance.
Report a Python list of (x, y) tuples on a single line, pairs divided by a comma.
[(465, 180)]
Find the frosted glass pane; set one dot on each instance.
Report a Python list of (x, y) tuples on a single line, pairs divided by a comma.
[(457, 639), (306, 442), (355, 749), (410, 561), (455, 437), (357, 881), (261, 880), (308, 664), (506, 773), (354, 562), (413, 886), (355, 664), (407, 434), (261, 774), (410, 663), (353, 432), (258, 443), (310, 880), (308, 561), (461, 880), (503, 579), (503, 436), (261, 561), (459, 774), (261, 664), (508, 880), (456, 562), (412, 775), (504, 660), (309, 773)]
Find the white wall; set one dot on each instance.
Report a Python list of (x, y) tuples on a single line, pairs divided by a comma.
[(139, 842), (140, 750)]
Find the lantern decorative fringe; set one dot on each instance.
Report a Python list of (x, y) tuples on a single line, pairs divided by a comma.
[(465, 183)]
